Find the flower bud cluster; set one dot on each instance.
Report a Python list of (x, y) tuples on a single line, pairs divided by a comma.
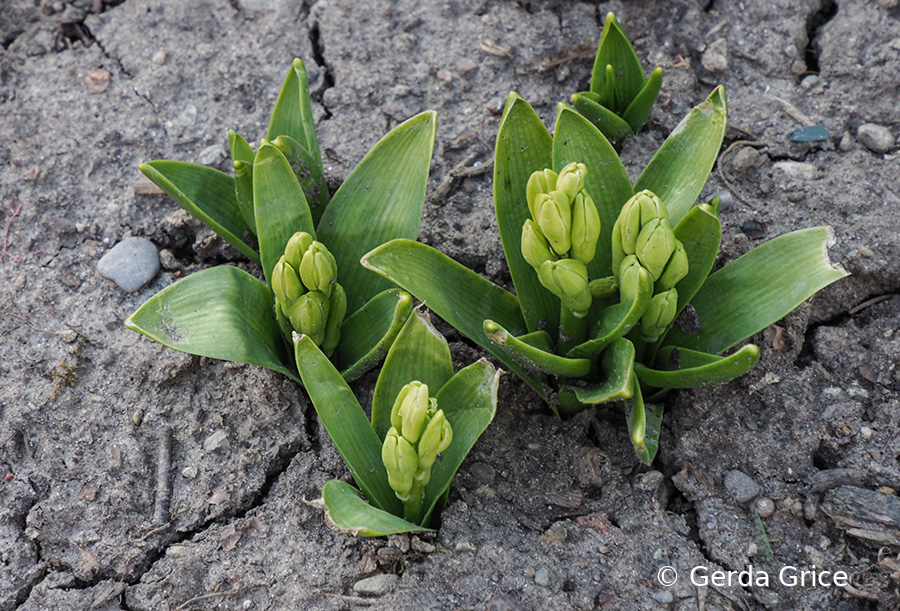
[(644, 247), (307, 295), (419, 432), (561, 237)]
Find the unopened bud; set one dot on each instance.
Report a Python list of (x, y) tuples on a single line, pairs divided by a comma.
[(337, 309), (632, 278), (585, 228), (676, 269), (286, 283), (659, 314), (435, 439), (318, 269), (542, 181), (571, 179), (309, 314), (296, 246), (534, 245), (410, 411), (655, 245), (603, 287), (400, 461), (643, 207), (568, 280), (555, 220)]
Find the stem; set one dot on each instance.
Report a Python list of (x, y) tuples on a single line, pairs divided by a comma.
[(412, 507), (572, 329)]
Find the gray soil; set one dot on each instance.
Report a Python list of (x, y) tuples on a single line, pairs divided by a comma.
[(117, 492)]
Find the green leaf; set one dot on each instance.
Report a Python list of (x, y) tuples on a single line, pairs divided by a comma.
[(309, 174), (458, 295), (700, 232), (533, 359), (280, 207), (240, 148), (523, 147), (346, 423), (639, 109), (609, 123), (576, 139), (369, 332), (223, 313), (539, 339), (690, 369), (207, 195), (420, 353), (292, 115), (644, 423), (617, 363), (759, 289), (681, 166), (382, 199), (349, 513), (469, 401), (242, 156), (615, 50)]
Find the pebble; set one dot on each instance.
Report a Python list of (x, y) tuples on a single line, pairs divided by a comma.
[(847, 142), (188, 116), (131, 263), (663, 597), (189, 472), (217, 440), (466, 67), (379, 585), (741, 486), (875, 137), (797, 169), (168, 260), (765, 507), (542, 577), (159, 57), (97, 80), (211, 155), (715, 57), (747, 159), (445, 77), (495, 106)]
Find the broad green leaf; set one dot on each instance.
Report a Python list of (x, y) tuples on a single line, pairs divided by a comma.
[(758, 289), (455, 293), (700, 232), (616, 320), (309, 174), (292, 115), (523, 147), (346, 423), (533, 359), (617, 363), (690, 369), (206, 194), (576, 139), (639, 109), (223, 313), (609, 123), (280, 207), (681, 166), (382, 199), (243, 192), (419, 353), (539, 339), (644, 423), (369, 332), (615, 50), (469, 401), (349, 513), (240, 148)]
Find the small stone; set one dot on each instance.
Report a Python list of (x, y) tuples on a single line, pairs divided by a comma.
[(188, 116), (747, 159), (876, 138), (542, 577), (765, 507), (865, 252), (217, 440), (663, 597), (131, 263), (482, 472), (151, 122), (137, 417), (741, 486), (466, 68), (809, 82), (796, 169), (495, 106), (401, 542), (715, 57), (811, 133), (68, 335), (379, 585), (168, 260), (847, 142), (97, 80), (445, 77), (465, 546), (189, 472), (866, 432), (159, 57), (422, 547), (211, 155)]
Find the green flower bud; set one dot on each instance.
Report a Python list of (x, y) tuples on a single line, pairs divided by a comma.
[(659, 314), (410, 412), (632, 275), (400, 461), (585, 227), (337, 309), (318, 269), (571, 179), (655, 245), (534, 245), (568, 280), (309, 314), (603, 287), (643, 207), (435, 439), (296, 246), (286, 283), (676, 269), (555, 220), (542, 181)]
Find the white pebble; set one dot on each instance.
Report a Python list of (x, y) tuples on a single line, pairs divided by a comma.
[(131, 263)]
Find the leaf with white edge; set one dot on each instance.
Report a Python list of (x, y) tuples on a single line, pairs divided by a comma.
[(420, 353), (347, 512), (759, 289), (523, 147), (368, 333), (680, 168), (469, 401), (576, 139), (692, 369), (280, 207), (206, 194), (292, 115), (381, 200), (346, 423), (532, 359), (617, 363), (222, 313)]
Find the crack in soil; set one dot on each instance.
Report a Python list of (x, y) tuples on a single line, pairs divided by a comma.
[(814, 24), (318, 51)]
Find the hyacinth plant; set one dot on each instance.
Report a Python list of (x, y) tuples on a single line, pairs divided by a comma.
[(276, 210), (424, 421), (620, 97), (603, 268)]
